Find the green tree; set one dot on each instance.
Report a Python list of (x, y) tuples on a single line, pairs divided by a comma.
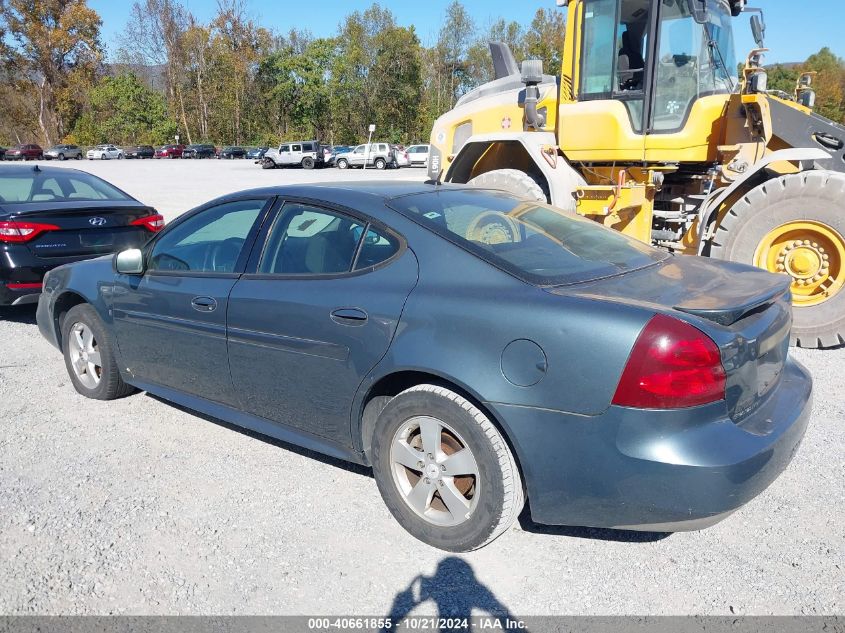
[(479, 60), (782, 78), (124, 111), (545, 38), (829, 83), (293, 85), (57, 50), (453, 44)]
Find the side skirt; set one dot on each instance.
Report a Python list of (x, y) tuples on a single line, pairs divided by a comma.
[(253, 423)]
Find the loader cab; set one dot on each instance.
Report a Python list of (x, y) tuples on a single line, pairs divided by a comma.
[(639, 69)]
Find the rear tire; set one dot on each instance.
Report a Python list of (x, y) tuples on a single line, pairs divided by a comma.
[(513, 181), (481, 506), (814, 203), (308, 163), (89, 355), (380, 163)]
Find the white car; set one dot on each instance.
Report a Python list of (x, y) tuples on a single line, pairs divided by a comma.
[(104, 152), (401, 155), (418, 155)]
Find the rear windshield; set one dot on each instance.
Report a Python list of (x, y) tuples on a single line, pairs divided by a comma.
[(535, 242), (55, 187)]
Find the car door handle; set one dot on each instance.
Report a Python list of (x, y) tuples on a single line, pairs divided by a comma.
[(204, 304), (349, 316)]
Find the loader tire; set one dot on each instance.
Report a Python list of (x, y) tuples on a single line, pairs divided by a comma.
[(795, 225), (513, 181)]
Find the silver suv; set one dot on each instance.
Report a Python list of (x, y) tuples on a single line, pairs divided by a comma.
[(63, 152), (308, 154), (378, 155)]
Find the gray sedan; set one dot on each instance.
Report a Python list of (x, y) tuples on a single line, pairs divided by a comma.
[(481, 352)]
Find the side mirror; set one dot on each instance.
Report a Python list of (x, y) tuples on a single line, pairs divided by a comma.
[(130, 262), (758, 30)]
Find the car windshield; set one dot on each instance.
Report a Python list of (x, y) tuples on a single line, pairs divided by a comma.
[(42, 186), (536, 242)]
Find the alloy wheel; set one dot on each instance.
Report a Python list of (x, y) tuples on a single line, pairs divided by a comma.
[(435, 471), (85, 355)]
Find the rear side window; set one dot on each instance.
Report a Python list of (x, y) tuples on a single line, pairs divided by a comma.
[(307, 147), (309, 240), (377, 248), (535, 242)]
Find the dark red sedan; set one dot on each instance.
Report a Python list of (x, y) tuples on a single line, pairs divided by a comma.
[(30, 151), (170, 151)]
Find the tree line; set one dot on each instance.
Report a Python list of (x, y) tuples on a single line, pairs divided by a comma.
[(233, 81)]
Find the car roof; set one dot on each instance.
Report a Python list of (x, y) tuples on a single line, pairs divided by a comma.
[(45, 169), (341, 193)]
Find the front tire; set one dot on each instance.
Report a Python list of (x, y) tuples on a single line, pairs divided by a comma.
[(89, 355), (444, 471), (342, 163), (513, 181), (61, 156), (795, 225)]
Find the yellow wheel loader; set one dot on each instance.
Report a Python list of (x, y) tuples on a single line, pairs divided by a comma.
[(653, 129)]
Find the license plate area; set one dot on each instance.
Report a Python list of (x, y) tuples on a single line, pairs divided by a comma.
[(96, 239)]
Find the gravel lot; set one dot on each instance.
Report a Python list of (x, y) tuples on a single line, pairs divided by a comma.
[(139, 507)]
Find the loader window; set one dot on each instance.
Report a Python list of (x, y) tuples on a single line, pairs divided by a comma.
[(613, 57), (597, 54), (694, 60)]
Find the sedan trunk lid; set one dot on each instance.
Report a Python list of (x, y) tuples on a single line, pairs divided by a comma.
[(89, 228), (746, 311)]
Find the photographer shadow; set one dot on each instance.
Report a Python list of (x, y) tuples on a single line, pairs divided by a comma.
[(456, 592)]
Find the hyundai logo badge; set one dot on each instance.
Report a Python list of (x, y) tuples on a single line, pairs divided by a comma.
[(97, 221)]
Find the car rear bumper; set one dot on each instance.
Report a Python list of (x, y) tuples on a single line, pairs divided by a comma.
[(655, 470), (21, 283)]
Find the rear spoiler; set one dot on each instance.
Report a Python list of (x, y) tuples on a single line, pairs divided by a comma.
[(741, 308)]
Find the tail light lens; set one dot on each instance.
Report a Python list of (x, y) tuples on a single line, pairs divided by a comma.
[(154, 223), (673, 366), (14, 231)]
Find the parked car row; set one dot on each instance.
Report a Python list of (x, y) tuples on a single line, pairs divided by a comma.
[(311, 154), (307, 154)]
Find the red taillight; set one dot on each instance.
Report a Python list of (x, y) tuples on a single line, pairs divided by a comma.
[(154, 223), (14, 231), (26, 286), (673, 366)]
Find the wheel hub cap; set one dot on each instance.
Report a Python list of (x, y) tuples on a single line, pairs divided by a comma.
[(811, 253)]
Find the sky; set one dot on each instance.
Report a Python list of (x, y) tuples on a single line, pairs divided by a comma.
[(795, 30)]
